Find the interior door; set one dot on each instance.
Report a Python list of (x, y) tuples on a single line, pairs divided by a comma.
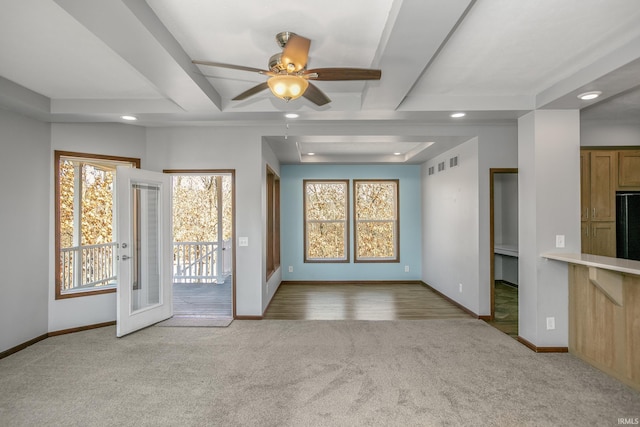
[(143, 207)]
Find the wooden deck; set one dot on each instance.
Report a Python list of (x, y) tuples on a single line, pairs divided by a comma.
[(300, 301), (203, 300)]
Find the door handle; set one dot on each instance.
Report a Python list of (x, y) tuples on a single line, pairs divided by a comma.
[(125, 257)]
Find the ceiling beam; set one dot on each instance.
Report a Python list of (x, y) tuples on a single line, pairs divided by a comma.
[(130, 28), (414, 33)]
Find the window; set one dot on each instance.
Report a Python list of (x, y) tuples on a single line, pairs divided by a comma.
[(326, 220), (273, 222), (85, 222), (376, 220)]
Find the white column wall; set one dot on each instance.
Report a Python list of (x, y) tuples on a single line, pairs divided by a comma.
[(549, 194)]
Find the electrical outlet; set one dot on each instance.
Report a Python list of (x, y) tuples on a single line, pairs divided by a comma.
[(460, 287), (291, 269), (560, 241), (406, 268), (551, 323)]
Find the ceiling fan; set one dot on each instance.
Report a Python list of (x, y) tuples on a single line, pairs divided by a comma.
[(288, 74)]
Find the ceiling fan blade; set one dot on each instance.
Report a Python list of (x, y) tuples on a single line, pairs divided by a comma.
[(252, 91), (344, 74), (233, 67), (296, 52), (315, 95)]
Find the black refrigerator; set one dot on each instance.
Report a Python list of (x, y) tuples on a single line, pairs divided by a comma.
[(628, 224)]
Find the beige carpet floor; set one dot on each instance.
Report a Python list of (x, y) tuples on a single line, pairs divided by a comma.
[(454, 372)]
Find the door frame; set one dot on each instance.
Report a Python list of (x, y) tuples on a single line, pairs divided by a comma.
[(231, 172), (492, 283)]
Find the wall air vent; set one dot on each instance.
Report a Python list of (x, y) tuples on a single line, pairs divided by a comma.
[(440, 166), (453, 162), (432, 170)]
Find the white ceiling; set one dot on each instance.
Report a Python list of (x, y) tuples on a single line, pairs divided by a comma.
[(94, 60)]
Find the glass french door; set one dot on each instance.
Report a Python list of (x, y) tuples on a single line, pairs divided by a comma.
[(143, 207)]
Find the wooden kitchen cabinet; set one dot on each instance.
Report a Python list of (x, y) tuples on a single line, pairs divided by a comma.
[(598, 201), (603, 238), (629, 169), (602, 186)]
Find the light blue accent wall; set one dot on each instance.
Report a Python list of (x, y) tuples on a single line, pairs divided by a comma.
[(292, 217)]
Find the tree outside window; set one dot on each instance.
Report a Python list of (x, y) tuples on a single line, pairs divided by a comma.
[(326, 222), (376, 220)]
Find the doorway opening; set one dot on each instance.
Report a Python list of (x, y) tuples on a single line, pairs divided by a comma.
[(203, 250), (504, 250)]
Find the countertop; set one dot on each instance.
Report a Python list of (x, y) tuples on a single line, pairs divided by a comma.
[(614, 264)]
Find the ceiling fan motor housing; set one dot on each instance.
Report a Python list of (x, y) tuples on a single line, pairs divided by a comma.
[(283, 37), (275, 63)]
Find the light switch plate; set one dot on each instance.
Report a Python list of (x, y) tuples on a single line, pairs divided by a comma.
[(560, 241), (243, 241)]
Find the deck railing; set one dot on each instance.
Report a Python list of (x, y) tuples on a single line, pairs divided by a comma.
[(197, 262), (87, 266), (90, 266)]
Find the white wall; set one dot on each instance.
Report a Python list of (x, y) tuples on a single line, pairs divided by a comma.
[(498, 148), (456, 241), (506, 191), (451, 227), (549, 192), (24, 178), (505, 198), (224, 148), (599, 134), (107, 139)]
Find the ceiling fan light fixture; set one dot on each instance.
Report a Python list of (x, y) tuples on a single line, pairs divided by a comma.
[(287, 87)]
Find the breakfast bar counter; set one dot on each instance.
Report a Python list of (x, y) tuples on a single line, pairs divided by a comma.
[(604, 313)]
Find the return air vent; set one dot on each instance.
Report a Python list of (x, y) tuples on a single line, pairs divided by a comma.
[(432, 170), (453, 162), (440, 166)]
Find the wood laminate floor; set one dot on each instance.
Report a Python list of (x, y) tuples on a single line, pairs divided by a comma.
[(506, 308), (302, 301)]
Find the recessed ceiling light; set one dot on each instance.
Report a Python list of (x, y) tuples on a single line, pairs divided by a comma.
[(396, 154), (590, 95), (129, 118), (311, 154), (292, 115), (458, 115)]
